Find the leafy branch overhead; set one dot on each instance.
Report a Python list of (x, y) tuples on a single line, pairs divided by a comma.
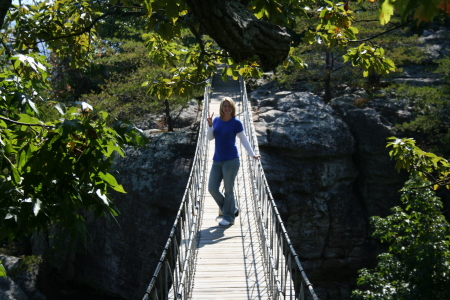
[(435, 170)]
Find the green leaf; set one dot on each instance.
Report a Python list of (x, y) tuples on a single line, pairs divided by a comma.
[(9, 149), (37, 207), (24, 118), (60, 108), (15, 174), (112, 182), (32, 105), (2, 270), (69, 126), (102, 196), (172, 10), (386, 11), (261, 13)]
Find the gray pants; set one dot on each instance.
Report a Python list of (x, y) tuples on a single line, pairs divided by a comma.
[(226, 171)]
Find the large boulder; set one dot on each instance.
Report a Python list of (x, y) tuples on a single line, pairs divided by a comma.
[(21, 282), (329, 171), (9, 290)]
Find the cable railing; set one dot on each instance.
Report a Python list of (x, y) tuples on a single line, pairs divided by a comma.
[(174, 273), (287, 278), (173, 276)]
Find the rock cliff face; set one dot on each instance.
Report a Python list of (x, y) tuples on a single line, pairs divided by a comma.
[(329, 170), (121, 257)]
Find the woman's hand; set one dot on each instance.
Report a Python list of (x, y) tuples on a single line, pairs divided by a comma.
[(209, 119)]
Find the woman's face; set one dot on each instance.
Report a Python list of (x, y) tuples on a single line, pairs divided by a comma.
[(226, 108)]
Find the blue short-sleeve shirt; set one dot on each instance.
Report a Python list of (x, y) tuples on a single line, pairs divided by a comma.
[(225, 138)]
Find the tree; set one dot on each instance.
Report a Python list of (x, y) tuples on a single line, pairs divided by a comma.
[(417, 264), (52, 170)]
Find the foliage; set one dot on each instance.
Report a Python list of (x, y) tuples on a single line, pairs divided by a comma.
[(360, 19), (432, 168), (335, 25), (53, 170), (120, 69), (65, 27), (430, 125), (2, 270), (370, 59), (444, 68), (420, 10), (403, 47), (417, 265), (335, 29), (350, 33), (77, 153)]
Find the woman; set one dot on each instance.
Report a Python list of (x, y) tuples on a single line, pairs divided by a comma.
[(224, 130)]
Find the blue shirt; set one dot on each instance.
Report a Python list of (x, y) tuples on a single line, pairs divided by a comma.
[(225, 138)]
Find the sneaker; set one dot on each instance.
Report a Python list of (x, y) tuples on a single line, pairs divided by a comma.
[(236, 212), (225, 223)]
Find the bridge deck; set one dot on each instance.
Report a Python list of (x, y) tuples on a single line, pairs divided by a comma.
[(229, 259)]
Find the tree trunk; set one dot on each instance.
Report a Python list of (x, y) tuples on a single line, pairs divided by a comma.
[(239, 32), (4, 7), (328, 67), (373, 80), (168, 117)]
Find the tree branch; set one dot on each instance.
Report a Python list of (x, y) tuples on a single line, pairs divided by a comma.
[(84, 30), (90, 26), (6, 48), (379, 34), (21, 123), (374, 20), (238, 31), (442, 182)]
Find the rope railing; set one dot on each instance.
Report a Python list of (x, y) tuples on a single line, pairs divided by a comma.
[(173, 276), (287, 277)]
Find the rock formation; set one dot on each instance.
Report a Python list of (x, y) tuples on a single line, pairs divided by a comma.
[(121, 257), (329, 171)]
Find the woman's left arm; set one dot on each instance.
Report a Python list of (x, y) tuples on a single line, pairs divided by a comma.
[(246, 145)]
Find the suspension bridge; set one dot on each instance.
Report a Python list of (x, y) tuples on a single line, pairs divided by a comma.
[(254, 258)]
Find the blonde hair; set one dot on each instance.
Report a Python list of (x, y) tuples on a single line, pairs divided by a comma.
[(233, 107)]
